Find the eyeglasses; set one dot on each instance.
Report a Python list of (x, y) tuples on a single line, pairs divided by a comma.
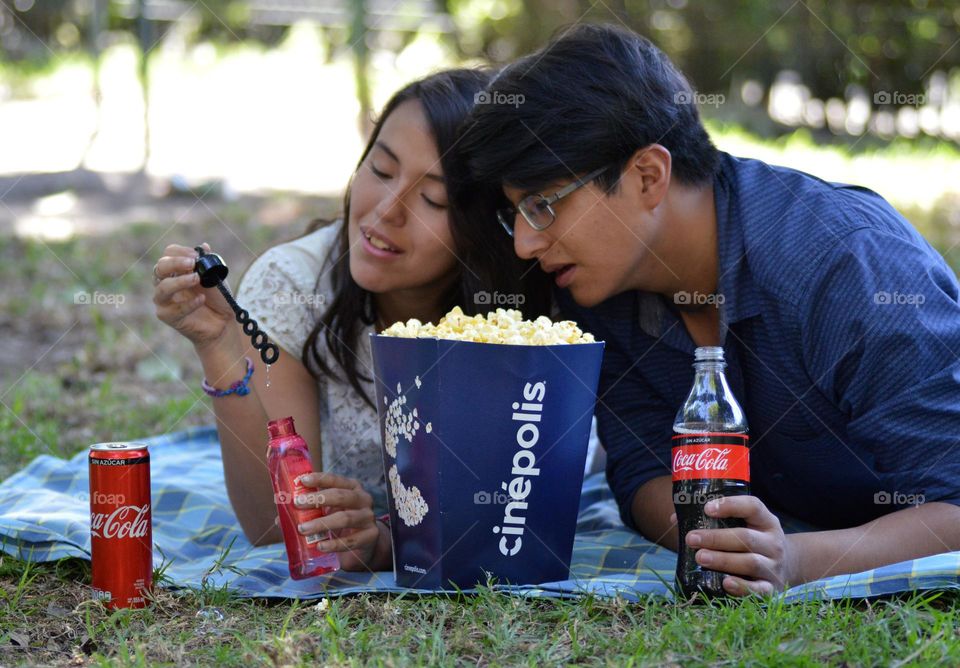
[(537, 210)]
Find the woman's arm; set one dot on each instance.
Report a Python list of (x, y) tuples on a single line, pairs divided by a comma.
[(204, 318), (242, 425)]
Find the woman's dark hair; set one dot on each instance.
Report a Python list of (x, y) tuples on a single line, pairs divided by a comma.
[(591, 97), (486, 260)]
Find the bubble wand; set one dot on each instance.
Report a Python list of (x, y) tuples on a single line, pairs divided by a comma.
[(213, 272)]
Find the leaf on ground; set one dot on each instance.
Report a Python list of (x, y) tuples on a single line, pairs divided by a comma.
[(19, 639), (57, 611)]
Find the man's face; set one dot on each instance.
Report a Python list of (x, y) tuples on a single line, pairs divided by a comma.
[(598, 246)]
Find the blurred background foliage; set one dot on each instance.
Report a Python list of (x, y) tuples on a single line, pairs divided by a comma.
[(829, 45)]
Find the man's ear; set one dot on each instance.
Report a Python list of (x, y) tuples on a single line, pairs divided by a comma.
[(647, 174)]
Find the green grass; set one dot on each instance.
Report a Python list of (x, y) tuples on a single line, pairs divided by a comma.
[(46, 608)]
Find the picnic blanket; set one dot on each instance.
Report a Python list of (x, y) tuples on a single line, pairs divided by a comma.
[(44, 516)]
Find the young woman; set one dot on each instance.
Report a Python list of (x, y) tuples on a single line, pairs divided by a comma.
[(399, 252)]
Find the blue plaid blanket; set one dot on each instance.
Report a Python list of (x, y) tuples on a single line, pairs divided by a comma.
[(44, 516)]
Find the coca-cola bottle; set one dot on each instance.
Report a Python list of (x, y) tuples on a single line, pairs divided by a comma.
[(711, 460), (288, 458)]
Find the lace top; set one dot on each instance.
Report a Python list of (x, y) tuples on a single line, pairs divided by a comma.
[(281, 291)]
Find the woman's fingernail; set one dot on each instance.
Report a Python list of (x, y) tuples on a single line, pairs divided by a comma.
[(302, 528), (711, 507), (704, 557), (300, 500), (694, 540)]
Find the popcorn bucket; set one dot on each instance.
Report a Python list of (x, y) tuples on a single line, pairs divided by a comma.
[(484, 447)]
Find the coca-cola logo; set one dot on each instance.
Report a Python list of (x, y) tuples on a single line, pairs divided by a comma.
[(124, 522), (707, 459)]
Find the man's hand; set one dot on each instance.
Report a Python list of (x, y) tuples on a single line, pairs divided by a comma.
[(758, 557)]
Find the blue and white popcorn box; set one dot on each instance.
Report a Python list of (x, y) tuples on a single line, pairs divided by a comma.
[(483, 447)]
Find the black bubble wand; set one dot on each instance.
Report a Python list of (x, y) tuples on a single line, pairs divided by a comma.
[(213, 272)]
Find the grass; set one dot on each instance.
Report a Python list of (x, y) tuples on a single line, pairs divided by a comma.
[(47, 618)]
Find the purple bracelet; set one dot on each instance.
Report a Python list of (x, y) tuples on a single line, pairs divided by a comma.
[(240, 388)]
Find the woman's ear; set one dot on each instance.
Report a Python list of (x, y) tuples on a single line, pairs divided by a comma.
[(647, 174)]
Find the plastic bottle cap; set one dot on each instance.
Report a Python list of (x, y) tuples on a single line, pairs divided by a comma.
[(281, 427), (708, 353)]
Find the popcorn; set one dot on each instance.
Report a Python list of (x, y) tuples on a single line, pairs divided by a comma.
[(411, 506), (505, 326)]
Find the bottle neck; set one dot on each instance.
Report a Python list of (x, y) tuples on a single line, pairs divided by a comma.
[(709, 378)]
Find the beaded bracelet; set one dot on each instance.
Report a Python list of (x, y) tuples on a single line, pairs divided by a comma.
[(240, 388)]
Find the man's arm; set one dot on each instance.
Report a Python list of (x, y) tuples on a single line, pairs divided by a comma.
[(760, 559), (651, 509), (897, 378), (905, 534)]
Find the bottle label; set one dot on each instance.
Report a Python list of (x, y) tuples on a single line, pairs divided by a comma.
[(711, 455)]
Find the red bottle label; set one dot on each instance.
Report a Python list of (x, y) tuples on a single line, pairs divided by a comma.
[(711, 455)]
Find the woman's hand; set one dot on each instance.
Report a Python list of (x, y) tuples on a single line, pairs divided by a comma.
[(361, 542), (758, 557), (199, 314)]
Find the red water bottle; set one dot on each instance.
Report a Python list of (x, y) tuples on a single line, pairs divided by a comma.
[(711, 460), (288, 458)]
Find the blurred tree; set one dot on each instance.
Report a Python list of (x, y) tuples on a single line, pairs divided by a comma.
[(880, 45)]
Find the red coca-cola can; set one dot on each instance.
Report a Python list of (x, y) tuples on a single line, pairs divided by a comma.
[(121, 536)]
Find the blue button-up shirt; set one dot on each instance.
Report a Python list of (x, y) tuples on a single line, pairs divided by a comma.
[(841, 330)]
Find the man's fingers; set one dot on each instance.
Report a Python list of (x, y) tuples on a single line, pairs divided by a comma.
[(747, 564), (730, 540), (748, 508), (739, 587)]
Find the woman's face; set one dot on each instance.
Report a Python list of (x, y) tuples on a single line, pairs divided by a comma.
[(398, 228)]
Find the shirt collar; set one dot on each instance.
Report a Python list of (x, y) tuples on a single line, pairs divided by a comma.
[(735, 282)]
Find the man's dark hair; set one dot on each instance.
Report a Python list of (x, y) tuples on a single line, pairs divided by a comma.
[(592, 97)]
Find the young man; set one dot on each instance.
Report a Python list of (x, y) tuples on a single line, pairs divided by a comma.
[(840, 324)]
